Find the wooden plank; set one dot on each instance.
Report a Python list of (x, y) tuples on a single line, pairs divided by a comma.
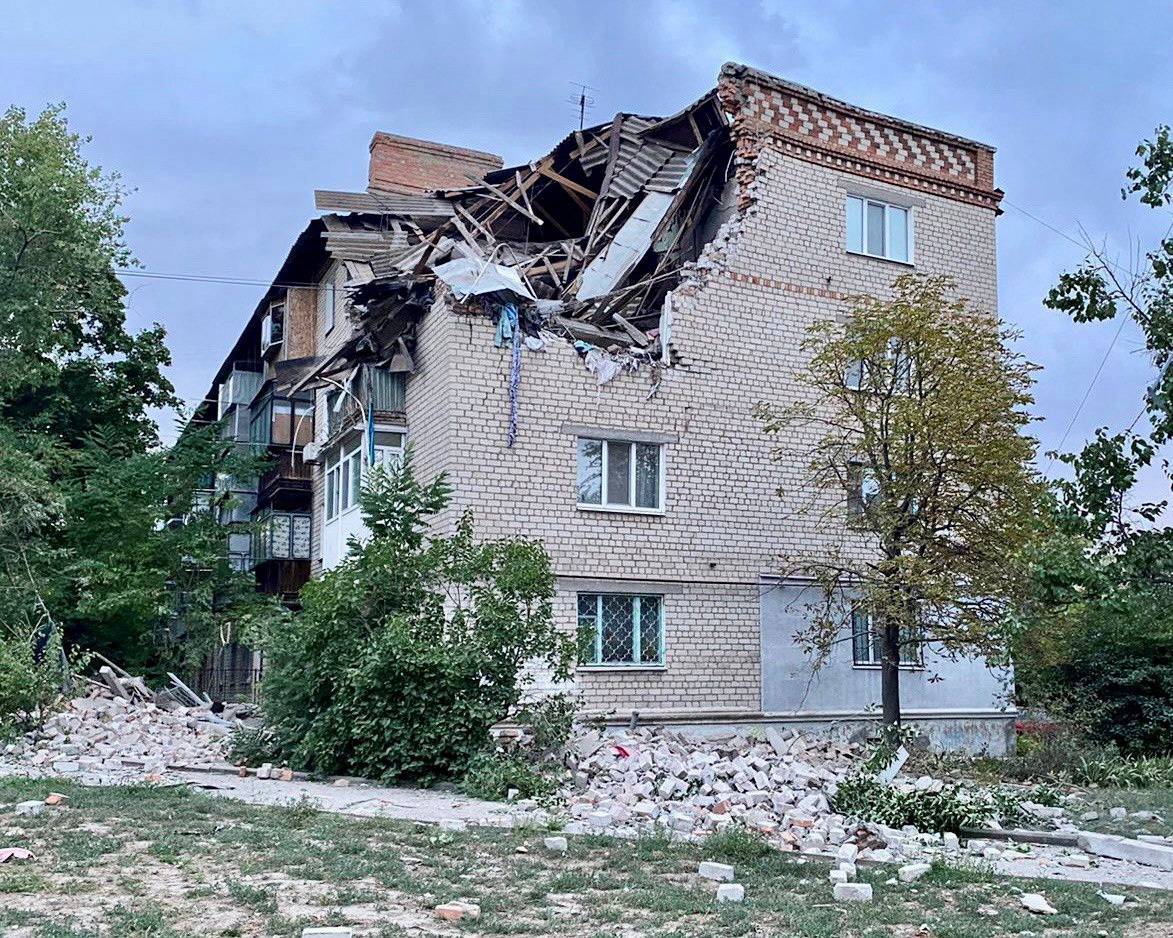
[(591, 333), (568, 184), (517, 206), (640, 337)]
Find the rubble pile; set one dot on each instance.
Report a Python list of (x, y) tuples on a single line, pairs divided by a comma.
[(116, 738), (780, 785)]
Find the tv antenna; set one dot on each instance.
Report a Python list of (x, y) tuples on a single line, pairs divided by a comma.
[(582, 100)]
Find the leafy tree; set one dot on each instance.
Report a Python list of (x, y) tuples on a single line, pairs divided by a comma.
[(404, 656), (1097, 636), (89, 547), (912, 430), (68, 366)]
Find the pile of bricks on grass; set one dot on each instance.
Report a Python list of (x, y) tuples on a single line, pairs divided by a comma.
[(120, 738), (780, 784)]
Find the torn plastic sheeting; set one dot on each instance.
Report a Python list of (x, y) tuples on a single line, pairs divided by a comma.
[(602, 365), (468, 276)]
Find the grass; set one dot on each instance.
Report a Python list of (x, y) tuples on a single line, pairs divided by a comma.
[(159, 863)]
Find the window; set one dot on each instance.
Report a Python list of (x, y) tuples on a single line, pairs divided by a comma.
[(867, 644), (879, 229), (281, 421), (618, 474), (330, 295), (863, 489), (332, 492), (272, 327), (351, 498), (621, 630), (282, 536)]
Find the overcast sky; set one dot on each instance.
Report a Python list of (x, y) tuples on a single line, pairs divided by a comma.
[(225, 116)]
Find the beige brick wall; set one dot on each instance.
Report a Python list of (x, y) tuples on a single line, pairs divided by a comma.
[(724, 525), (738, 334)]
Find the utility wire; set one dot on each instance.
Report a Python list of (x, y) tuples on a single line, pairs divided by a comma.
[(1107, 353)]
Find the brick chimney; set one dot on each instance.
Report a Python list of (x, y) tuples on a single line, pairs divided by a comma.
[(410, 166)]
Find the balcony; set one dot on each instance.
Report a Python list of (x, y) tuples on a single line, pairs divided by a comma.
[(286, 476)]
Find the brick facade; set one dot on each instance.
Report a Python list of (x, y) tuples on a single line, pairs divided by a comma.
[(738, 323)]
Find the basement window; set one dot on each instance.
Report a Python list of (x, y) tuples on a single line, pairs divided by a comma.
[(620, 630), (879, 229), (619, 475)]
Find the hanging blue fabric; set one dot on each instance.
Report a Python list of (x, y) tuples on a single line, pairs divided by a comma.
[(370, 434), (506, 325), (512, 331)]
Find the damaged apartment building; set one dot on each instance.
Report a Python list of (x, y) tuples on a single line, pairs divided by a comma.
[(579, 342)]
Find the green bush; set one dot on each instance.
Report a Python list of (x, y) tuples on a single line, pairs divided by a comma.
[(404, 656), (550, 720), (253, 746), (31, 677), (861, 796), (490, 775)]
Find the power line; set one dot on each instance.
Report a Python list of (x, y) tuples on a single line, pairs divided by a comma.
[(1107, 352)]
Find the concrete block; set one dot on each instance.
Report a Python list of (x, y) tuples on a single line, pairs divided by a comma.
[(555, 844), (912, 872), (1124, 848), (730, 892), (837, 876), (29, 807), (720, 872), (853, 892), (457, 911)]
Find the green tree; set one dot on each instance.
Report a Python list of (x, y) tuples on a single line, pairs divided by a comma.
[(68, 365), (404, 656), (90, 545), (1097, 636), (911, 427)]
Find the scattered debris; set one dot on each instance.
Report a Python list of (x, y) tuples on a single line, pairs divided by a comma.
[(555, 844), (328, 932), (1111, 898), (1125, 848), (852, 892), (720, 872), (1033, 902), (456, 911), (121, 730), (15, 853)]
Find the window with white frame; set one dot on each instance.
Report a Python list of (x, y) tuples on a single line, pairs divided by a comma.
[(879, 229), (620, 474), (332, 478), (330, 295), (867, 643), (621, 630)]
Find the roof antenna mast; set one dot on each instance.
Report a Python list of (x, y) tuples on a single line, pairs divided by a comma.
[(583, 101)]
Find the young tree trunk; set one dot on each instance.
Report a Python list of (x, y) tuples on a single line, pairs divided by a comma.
[(890, 675)]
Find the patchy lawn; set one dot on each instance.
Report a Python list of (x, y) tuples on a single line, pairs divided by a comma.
[(166, 862)]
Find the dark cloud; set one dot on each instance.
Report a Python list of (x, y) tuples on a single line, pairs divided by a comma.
[(226, 117)]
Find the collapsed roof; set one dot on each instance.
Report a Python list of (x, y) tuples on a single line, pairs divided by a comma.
[(587, 240)]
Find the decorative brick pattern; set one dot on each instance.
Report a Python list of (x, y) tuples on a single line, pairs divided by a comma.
[(814, 127)]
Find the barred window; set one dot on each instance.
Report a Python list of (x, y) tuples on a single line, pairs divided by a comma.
[(620, 629)]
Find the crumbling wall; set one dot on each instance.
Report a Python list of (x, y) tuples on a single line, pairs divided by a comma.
[(739, 319)]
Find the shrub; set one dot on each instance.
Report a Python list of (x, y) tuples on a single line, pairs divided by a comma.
[(404, 656), (550, 720), (490, 775), (33, 672), (253, 746)]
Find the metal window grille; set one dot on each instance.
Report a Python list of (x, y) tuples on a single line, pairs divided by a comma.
[(621, 629)]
